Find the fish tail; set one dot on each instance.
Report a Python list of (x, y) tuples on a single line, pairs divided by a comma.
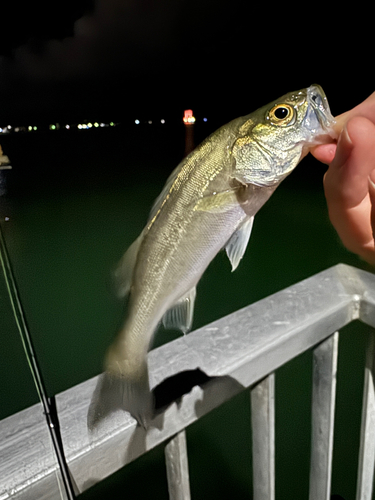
[(113, 393), (137, 398), (128, 370), (124, 385)]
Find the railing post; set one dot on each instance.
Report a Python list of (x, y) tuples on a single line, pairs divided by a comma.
[(323, 414), (263, 431), (367, 445), (177, 467)]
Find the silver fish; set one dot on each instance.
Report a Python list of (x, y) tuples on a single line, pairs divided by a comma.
[(208, 203)]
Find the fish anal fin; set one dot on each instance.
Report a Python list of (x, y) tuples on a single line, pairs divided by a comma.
[(237, 244), (180, 315), (124, 272)]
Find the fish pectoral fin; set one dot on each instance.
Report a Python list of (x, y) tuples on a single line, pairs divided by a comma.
[(236, 246), (218, 202), (124, 273), (180, 315)]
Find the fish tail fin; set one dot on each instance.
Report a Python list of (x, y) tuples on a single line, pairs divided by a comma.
[(115, 393), (137, 399), (123, 386)]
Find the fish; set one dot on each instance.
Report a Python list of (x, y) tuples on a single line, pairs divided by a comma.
[(207, 204)]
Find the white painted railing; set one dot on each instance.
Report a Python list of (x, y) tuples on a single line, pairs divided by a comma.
[(238, 352)]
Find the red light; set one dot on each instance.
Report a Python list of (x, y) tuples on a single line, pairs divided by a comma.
[(188, 117)]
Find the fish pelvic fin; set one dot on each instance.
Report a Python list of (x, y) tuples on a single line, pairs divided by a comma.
[(237, 244), (180, 315), (123, 275)]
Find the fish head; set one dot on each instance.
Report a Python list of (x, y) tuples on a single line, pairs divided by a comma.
[(277, 136)]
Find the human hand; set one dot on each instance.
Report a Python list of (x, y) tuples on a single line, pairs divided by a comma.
[(349, 181)]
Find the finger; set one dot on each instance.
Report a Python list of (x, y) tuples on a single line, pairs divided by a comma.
[(354, 227), (368, 252), (346, 187), (346, 181), (324, 153), (365, 109)]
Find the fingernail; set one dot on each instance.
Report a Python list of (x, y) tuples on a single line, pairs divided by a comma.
[(344, 148), (371, 179), (345, 136)]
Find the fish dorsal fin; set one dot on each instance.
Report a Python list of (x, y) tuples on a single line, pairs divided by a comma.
[(236, 246), (124, 272), (180, 315), (159, 200)]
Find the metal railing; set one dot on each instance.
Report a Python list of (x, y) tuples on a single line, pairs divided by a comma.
[(239, 351)]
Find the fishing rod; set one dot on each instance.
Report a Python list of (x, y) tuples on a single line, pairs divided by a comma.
[(49, 404)]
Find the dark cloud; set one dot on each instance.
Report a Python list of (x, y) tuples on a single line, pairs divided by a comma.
[(116, 37), (111, 55), (119, 44), (121, 53)]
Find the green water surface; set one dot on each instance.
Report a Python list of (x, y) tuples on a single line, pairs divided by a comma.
[(74, 204)]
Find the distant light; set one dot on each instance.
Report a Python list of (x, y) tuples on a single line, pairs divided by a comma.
[(112, 124), (188, 118), (162, 120), (35, 128), (17, 129), (6, 218), (52, 127), (89, 125), (96, 124), (102, 124), (29, 128), (67, 127), (150, 122), (204, 119), (137, 122), (9, 127)]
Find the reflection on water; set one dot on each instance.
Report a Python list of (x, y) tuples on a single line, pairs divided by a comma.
[(75, 202)]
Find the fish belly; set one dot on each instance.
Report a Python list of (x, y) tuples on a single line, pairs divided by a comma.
[(169, 266)]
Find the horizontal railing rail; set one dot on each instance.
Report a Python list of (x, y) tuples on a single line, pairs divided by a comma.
[(238, 351)]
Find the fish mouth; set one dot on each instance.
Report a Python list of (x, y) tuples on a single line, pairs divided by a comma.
[(319, 119)]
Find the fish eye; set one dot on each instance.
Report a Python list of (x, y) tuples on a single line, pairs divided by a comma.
[(281, 114)]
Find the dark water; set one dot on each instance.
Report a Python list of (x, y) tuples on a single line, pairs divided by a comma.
[(75, 201)]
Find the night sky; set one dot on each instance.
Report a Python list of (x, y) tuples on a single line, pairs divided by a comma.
[(107, 59)]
